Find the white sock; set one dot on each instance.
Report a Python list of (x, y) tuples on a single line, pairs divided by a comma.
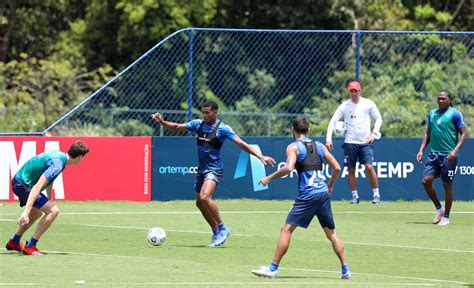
[(439, 210), (376, 193), (355, 194)]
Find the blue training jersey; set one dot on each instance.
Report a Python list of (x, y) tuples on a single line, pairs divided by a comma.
[(310, 182), (209, 158)]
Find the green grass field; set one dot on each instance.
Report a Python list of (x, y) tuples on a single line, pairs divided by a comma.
[(104, 243)]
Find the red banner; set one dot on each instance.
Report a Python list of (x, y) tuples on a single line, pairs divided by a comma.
[(116, 168)]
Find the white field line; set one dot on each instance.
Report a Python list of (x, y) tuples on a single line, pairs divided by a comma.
[(247, 235), (235, 212), (378, 275), (270, 282), (222, 284)]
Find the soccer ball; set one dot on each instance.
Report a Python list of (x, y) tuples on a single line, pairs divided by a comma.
[(156, 236), (340, 129)]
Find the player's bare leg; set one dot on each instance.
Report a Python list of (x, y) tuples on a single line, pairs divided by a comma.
[(35, 214), (352, 179), (283, 242), (337, 245), (448, 189), (205, 198), (338, 248), (353, 185), (205, 211), (430, 190), (373, 181), (50, 211)]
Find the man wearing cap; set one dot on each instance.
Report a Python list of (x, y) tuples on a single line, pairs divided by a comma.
[(358, 142)]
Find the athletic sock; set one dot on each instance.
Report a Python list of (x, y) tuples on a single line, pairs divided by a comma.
[(438, 208), (222, 226), (215, 230), (376, 193), (355, 194), (16, 238), (345, 268), (273, 267), (32, 242), (446, 216)]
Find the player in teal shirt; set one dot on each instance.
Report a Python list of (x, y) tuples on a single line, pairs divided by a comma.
[(36, 175), (446, 133)]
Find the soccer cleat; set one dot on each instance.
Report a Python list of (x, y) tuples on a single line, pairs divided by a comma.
[(346, 275), (444, 221), (213, 240), (439, 214), (376, 201), (14, 246), (222, 236), (265, 272), (355, 200), (31, 250)]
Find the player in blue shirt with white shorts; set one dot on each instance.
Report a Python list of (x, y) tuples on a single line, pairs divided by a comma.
[(36, 175), (307, 156), (211, 134)]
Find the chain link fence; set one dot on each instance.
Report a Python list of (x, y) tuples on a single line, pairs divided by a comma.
[(261, 79)]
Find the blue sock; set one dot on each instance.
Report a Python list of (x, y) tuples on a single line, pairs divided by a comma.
[(345, 268), (438, 207), (222, 226), (273, 267), (446, 215), (16, 238), (215, 230), (32, 242)]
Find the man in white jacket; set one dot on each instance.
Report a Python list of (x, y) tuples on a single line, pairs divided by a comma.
[(358, 142)]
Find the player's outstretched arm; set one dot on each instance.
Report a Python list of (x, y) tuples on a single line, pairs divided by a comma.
[(336, 168), (167, 124), (291, 156), (247, 148)]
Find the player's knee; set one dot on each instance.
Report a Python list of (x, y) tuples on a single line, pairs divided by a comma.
[(54, 211), (426, 181), (204, 198)]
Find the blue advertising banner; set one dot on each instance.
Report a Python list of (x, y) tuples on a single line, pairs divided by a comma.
[(175, 166)]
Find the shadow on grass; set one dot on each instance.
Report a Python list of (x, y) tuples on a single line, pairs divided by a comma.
[(420, 223)]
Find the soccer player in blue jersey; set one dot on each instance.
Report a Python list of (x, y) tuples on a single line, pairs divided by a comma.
[(211, 134), (446, 133), (307, 156), (36, 175)]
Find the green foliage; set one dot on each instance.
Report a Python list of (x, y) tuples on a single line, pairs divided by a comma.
[(38, 91), (58, 52)]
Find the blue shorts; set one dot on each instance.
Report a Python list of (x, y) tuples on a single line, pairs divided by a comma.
[(362, 152), (437, 165), (22, 191), (202, 176), (303, 211)]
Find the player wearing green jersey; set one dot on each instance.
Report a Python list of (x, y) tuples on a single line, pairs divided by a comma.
[(36, 175), (446, 133)]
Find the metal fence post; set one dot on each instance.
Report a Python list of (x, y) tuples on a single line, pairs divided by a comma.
[(190, 78), (357, 76)]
